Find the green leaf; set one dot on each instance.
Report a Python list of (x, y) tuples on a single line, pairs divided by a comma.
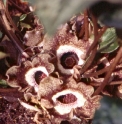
[(3, 83), (22, 17), (1, 34), (109, 41)]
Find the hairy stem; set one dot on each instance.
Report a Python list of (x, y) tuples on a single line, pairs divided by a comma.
[(97, 84), (10, 92), (17, 7), (86, 37), (111, 68), (88, 61), (6, 26)]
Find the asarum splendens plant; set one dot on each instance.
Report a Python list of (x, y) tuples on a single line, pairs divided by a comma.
[(45, 75), (56, 93), (60, 78)]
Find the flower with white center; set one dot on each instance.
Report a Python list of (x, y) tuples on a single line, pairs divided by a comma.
[(76, 98), (69, 50), (30, 73), (31, 77), (67, 57), (64, 108)]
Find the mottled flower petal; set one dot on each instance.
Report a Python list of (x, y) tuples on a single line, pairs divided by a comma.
[(49, 85), (46, 103), (33, 37), (16, 75), (66, 65), (63, 108)]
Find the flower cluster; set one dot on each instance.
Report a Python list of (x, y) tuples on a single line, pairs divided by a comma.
[(61, 78), (47, 78)]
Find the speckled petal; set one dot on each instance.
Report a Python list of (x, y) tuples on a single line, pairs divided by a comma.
[(16, 75), (48, 86)]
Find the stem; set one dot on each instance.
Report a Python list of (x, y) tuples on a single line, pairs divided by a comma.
[(111, 68), (94, 20), (115, 82), (96, 84), (86, 37), (89, 61), (92, 48), (97, 37), (92, 73), (17, 7), (6, 26), (10, 92), (82, 30), (10, 19), (98, 72)]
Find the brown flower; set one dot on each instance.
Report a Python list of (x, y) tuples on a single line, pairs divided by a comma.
[(68, 97), (64, 100), (67, 100), (69, 50), (30, 73), (76, 97)]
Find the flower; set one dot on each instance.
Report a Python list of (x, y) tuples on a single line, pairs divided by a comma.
[(65, 100), (30, 73), (69, 50), (68, 57), (68, 97)]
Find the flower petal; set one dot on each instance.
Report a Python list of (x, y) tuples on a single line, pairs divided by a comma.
[(63, 108), (16, 75), (48, 86), (67, 67)]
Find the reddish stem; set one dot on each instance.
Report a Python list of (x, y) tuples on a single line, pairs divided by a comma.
[(96, 84), (86, 37), (98, 72), (5, 24), (17, 7), (82, 30), (89, 61), (10, 92), (94, 21), (111, 68)]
